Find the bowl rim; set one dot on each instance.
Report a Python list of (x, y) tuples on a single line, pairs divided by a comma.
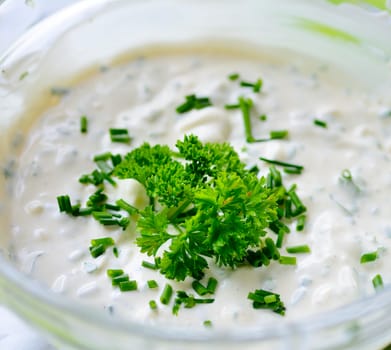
[(14, 278)]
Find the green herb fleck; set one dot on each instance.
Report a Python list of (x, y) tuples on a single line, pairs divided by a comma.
[(320, 123), (377, 282), (152, 304), (234, 76), (368, 257)]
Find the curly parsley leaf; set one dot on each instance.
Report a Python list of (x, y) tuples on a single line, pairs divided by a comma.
[(214, 206)]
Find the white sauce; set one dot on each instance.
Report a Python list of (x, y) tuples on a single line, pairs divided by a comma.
[(142, 96)]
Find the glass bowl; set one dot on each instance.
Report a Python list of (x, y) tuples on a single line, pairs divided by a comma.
[(93, 33)]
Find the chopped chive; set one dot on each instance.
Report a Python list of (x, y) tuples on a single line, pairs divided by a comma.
[(96, 199), (106, 241), (292, 170), (280, 238), (128, 286), (116, 280), (193, 102), (256, 86), (64, 204), (299, 206), (97, 250), (263, 299), (103, 156), (233, 76), (116, 159), (126, 206), (263, 117), (115, 252), (301, 222), (232, 106), (104, 167), (298, 249), (152, 304), (166, 294), (120, 135), (284, 164), (287, 260), (112, 207), (279, 134), (114, 272), (208, 323), (368, 257), (99, 215), (270, 298), (212, 285), (152, 284), (199, 288), (84, 211), (276, 176), (377, 282), (245, 106), (83, 124), (148, 265), (320, 123)]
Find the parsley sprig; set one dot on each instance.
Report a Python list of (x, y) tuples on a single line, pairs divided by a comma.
[(210, 206)]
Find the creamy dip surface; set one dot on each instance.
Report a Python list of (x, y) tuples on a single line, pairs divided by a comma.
[(345, 219)]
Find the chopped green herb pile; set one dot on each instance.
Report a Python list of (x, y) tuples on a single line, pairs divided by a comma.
[(262, 299), (210, 206)]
